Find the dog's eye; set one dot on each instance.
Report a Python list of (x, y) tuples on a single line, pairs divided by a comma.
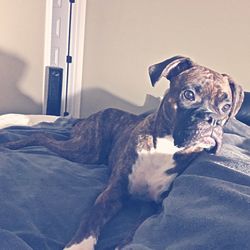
[(189, 95), (226, 107)]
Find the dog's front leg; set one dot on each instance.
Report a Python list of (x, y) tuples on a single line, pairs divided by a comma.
[(106, 206)]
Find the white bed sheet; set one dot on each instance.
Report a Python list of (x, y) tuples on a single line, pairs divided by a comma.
[(8, 120)]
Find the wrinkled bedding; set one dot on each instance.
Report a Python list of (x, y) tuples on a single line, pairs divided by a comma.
[(43, 197)]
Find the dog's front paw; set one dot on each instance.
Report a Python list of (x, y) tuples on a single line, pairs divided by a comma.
[(86, 244), (145, 142)]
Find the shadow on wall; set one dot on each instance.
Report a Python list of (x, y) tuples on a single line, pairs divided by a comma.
[(12, 100), (96, 99)]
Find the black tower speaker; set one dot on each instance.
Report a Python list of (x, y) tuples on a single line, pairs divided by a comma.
[(54, 78)]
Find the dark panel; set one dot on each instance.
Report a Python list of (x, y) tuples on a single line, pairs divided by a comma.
[(54, 77)]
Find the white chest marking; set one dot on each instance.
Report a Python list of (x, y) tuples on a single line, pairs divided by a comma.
[(148, 178), (86, 244)]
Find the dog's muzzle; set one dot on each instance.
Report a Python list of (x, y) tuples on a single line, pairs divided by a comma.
[(201, 129)]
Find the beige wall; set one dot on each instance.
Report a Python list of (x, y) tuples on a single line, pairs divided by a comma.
[(124, 37), (21, 55)]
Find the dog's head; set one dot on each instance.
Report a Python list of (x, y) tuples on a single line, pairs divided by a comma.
[(198, 103)]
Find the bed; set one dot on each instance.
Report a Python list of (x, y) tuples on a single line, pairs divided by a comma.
[(43, 196)]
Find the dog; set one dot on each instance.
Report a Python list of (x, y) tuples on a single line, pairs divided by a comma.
[(146, 152)]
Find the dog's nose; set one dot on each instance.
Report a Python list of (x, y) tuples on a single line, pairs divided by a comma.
[(212, 119)]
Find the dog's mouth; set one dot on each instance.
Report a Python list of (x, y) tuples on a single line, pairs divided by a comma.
[(208, 144), (209, 140), (215, 147)]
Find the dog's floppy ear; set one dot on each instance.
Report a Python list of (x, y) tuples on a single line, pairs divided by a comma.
[(237, 96), (169, 68)]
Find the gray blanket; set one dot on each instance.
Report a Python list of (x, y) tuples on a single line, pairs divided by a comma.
[(43, 197)]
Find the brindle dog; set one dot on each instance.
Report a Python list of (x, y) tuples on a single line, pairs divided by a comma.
[(146, 152)]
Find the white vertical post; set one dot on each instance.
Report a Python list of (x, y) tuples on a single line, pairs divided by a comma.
[(77, 51), (55, 48), (47, 47)]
